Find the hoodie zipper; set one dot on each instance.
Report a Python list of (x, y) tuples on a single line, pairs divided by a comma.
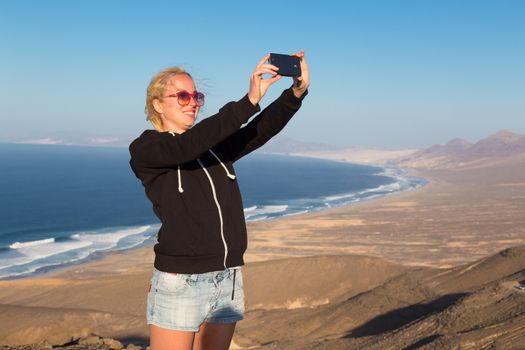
[(219, 210)]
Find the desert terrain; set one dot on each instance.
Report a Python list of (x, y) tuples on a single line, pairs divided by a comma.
[(434, 268)]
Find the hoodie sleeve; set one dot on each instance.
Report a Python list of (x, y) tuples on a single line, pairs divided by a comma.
[(154, 150), (262, 128)]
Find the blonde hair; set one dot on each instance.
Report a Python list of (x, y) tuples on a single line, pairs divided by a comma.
[(156, 90)]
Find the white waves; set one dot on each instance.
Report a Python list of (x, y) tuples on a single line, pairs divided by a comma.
[(26, 257)]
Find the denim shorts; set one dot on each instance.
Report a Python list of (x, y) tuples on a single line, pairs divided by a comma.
[(185, 301)]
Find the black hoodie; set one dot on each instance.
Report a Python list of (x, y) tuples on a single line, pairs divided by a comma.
[(190, 180)]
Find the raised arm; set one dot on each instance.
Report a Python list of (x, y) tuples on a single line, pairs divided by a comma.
[(163, 150), (270, 121), (262, 128)]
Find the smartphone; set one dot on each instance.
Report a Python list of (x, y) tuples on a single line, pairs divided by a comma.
[(289, 66)]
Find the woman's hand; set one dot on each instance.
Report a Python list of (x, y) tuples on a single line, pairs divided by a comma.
[(300, 84), (258, 85)]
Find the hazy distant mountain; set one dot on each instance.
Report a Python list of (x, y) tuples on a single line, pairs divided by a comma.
[(454, 146), (288, 145), (353, 154), (275, 145), (503, 143), (456, 152), (461, 152)]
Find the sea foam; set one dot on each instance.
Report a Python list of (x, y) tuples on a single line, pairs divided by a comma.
[(27, 257)]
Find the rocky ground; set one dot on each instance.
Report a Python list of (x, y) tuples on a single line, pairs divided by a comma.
[(92, 342)]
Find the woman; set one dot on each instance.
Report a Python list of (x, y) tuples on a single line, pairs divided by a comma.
[(196, 292)]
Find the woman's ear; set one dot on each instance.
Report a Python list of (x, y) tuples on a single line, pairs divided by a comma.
[(157, 105)]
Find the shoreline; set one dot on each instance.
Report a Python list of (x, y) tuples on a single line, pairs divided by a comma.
[(401, 228), (98, 256), (370, 228), (383, 227)]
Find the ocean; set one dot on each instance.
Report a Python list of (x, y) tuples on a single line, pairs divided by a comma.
[(62, 205)]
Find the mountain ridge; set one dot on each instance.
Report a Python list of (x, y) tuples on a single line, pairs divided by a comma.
[(460, 152)]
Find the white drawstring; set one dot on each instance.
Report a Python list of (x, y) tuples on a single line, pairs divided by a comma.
[(231, 176), (178, 170), (180, 182)]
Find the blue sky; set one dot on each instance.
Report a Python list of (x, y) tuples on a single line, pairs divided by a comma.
[(387, 74)]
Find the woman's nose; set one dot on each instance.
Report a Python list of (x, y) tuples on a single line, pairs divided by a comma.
[(193, 101)]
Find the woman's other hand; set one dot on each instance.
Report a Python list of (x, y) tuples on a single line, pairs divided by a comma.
[(301, 84), (258, 85)]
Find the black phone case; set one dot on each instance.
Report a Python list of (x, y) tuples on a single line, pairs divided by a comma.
[(289, 66)]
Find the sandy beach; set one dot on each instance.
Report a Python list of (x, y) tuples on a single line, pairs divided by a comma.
[(460, 216), (464, 214)]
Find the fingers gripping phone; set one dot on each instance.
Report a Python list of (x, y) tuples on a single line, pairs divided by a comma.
[(289, 66)]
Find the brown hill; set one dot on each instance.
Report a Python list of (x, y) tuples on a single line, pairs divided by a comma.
[(471, 307), (59, 310), (501, 144), (459, 152), (319, 302), (453, 147), (312, 281)]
